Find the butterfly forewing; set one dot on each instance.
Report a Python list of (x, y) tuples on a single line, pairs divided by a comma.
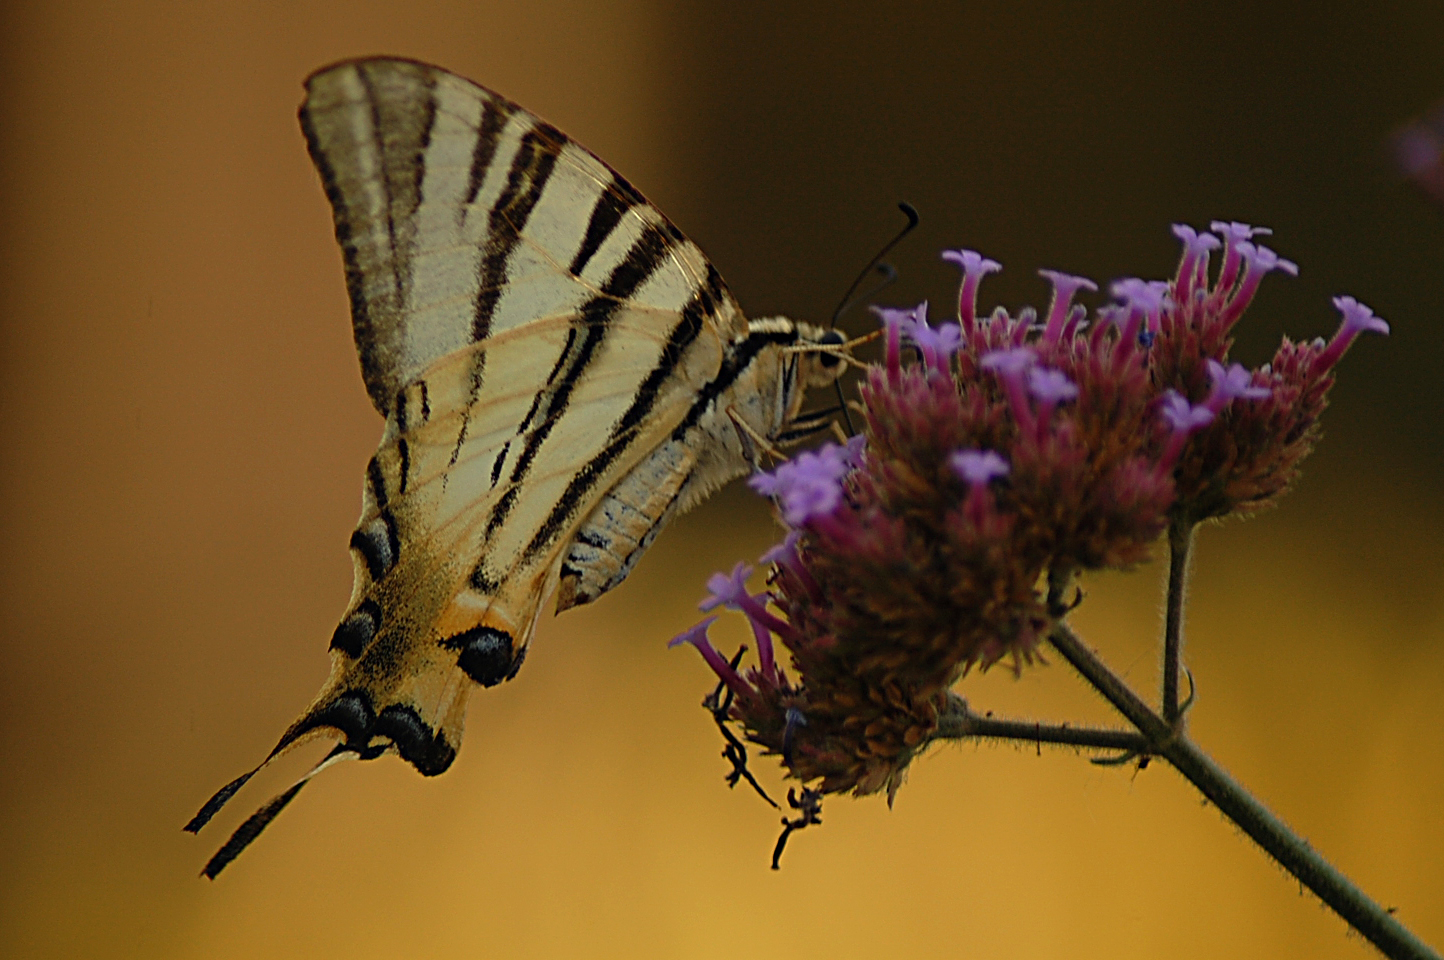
[(459, 215)]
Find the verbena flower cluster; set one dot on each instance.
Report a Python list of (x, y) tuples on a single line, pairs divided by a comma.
[(996, 452)]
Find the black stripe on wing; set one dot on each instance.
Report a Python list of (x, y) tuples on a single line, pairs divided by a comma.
[(495, 112), (694, 316), (377, 538), (532, 166), (607, 212), (400, 105), (734, 365), (401, 125), (526, 178), (588, 331)]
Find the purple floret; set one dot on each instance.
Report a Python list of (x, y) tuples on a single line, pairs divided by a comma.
[(1235, 231), (1009, 363), (1233, 382), (1183, 416), (809, 485), (697, 637), (1065, 286), (1185, 419), (978, 467), (974, 266), (727, 590), (1051, 387), (1358, 319), (1195, 242)]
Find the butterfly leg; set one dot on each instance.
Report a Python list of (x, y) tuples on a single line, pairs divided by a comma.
[(809, 425), (752, 441)]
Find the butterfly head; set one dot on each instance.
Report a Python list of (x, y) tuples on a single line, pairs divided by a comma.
[(821, 356)]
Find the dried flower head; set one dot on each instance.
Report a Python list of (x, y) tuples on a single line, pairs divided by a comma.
[(1012, 452)]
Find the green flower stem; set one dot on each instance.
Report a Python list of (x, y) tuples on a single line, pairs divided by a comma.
[(1180, 540), (959, 722), (1291, 851)]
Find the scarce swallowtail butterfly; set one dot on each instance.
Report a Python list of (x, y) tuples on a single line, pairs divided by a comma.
[(561, 371)]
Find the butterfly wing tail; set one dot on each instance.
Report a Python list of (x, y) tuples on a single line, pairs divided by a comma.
[(223, 796), (396, 727), (258, 821)]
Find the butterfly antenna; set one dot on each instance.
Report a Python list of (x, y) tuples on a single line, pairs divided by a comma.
[(889, 275), (876, 263)]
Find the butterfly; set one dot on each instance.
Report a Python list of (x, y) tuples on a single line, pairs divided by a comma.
[(561, 371)]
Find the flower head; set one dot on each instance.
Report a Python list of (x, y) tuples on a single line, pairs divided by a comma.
[(908, 563)]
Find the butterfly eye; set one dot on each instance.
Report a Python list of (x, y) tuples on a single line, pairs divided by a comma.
[(832, 339)]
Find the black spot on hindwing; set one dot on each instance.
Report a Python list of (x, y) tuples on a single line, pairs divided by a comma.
[(378, 544), (418, 744), (485, 654), (377, 540), (351, 713), (354, 634)]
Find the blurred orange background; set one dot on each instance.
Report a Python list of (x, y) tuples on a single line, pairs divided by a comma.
[(184, 431)]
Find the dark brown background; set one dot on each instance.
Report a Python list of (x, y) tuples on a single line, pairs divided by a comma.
[(184, 431)]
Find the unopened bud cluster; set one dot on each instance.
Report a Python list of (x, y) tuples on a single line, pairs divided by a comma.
[(996, 452)]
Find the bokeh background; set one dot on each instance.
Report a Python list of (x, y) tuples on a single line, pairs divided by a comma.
[(183, 432)]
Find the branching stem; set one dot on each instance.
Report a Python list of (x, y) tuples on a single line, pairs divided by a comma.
[(959, 722), (1291, 851)]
